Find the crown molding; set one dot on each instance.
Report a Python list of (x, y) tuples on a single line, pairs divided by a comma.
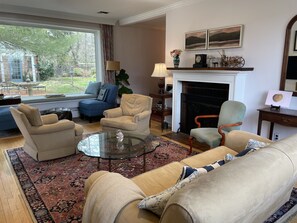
[(155, 13)]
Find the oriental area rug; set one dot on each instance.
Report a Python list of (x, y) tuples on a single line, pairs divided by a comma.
[(55, 189)]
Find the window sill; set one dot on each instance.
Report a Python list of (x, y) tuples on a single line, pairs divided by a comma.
[(67, 97)]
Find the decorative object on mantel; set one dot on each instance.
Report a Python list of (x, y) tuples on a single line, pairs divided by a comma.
[(232, 61), (200, 61), (277, 99), (161, 72), (175, 54)]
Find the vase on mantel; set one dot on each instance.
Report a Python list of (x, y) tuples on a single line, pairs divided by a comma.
[(176, 61)]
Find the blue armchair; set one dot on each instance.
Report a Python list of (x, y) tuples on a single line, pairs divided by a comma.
[(6, 120), (106, 99)]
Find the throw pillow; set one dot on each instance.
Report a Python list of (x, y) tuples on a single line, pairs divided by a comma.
[(93, 88), (32, 114), (251, 146), (187, 171), (157, 203), (102, 94)]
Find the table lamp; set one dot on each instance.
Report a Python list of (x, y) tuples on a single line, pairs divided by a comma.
[(161, 72)]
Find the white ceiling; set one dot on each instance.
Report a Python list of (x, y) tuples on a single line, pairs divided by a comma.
[(121, 11)]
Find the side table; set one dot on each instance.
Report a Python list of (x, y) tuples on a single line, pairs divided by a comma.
[(286, 117), (161, 111)]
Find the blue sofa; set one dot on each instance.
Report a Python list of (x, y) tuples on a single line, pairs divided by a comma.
[(6, 120), (106, 99)]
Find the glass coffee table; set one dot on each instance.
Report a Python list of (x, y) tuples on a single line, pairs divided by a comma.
[(106, 145)]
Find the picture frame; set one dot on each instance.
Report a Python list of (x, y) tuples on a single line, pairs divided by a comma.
[(225, 37), (196, 40), (295, 41), (279, 98)]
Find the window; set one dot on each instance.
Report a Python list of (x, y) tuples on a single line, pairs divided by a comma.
[(56, 59)]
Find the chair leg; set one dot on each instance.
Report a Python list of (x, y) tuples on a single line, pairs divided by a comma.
[(190, 144)]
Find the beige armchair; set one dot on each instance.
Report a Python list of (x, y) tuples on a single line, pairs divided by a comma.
[(132, 116), (45, 136)]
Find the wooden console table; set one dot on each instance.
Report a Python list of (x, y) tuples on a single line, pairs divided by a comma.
[(286, 117), (163, 111)]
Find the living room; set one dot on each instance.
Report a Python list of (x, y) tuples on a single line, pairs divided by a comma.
[(138, 48)]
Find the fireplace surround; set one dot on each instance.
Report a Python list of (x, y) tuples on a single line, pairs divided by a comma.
[(234, 78)]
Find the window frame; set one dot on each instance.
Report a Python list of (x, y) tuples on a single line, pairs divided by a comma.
[(61, 24)]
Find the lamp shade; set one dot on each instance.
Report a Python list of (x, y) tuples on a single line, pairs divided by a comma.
[(112, 65), (160, 70)]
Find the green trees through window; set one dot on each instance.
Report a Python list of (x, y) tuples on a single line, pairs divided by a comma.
[(60, 60)]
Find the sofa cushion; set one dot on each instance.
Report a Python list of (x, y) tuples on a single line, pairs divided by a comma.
[(32, 114), (157, 180), (93, 88), (157, 203), (207, 157)]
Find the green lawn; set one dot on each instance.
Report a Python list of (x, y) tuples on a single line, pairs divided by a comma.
[(66, 85)]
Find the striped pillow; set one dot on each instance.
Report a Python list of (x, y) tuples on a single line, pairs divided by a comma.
[(187, 170)]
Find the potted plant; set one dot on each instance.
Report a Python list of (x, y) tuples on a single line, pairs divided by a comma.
[(121, 80)]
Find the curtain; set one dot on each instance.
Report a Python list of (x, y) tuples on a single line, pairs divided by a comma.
[(107, 45)]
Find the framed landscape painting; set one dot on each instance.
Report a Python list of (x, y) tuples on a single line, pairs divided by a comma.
[(196, 40), (225, 37)]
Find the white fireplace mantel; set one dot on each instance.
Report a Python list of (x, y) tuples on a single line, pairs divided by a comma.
[(235, 78)]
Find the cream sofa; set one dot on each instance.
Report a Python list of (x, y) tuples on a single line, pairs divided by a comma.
[(248, 189)]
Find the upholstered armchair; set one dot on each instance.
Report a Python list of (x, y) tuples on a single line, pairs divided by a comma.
[(230, 118), (132, 116), (45, 136)]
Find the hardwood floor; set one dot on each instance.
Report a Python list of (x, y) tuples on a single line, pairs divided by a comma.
[(12, 205)]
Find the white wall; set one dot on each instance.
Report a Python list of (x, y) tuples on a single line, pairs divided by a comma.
[(138, 49), (264, 23)]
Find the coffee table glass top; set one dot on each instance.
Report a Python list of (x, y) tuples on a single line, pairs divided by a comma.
[(105, 145)]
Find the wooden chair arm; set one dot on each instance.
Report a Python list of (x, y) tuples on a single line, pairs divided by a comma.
[(221, 127), (203, 116)]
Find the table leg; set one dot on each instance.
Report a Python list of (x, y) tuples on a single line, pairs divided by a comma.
[(271, 130), (109, 165), (144, 163), (259, 124), (98, 165)]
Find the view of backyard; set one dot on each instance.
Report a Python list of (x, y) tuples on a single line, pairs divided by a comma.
[(53, 61)]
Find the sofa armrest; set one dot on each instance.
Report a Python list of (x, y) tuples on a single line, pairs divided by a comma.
[(112, 113), (49, 119), (141, 116), (107, 197), (237, 139), (62, 125)]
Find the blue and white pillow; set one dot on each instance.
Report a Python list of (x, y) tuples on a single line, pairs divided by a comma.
[(187, 170), (251, 146)]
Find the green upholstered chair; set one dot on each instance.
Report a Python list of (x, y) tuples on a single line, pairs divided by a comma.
[(230, 118)]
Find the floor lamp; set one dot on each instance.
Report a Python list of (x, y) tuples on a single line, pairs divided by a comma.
[(160, 71), (113, 66)]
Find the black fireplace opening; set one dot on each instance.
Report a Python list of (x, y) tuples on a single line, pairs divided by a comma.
[(201, 98)]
